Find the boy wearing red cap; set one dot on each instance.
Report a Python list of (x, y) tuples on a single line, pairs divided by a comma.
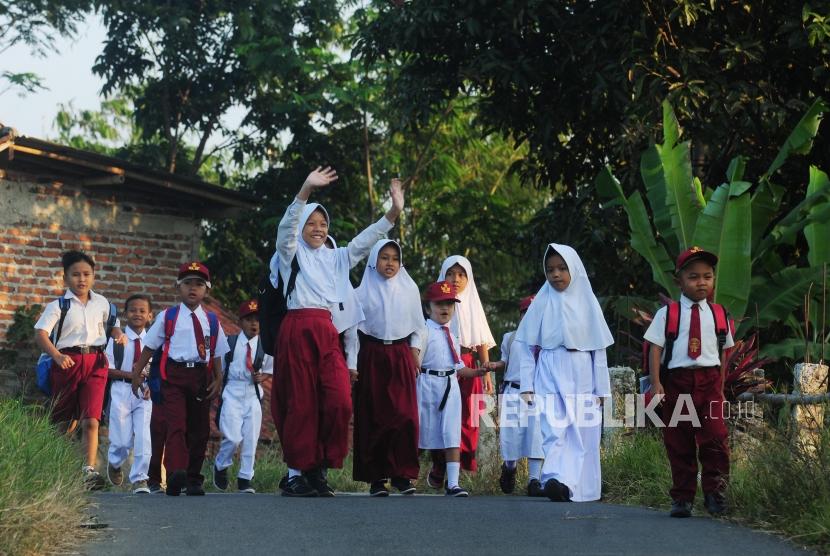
[(240, 419), (520, 434), (692, 378), (439, 396), (191, 375)]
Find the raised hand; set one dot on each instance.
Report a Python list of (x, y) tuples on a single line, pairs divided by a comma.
[(396, 193), (321, 177)]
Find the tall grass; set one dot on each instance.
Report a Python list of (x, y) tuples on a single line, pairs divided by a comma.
[(42, 497)]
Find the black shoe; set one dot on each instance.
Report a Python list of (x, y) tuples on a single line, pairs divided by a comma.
[(155, 488), (244, 485), (680, 508), (283, 482), (457, 492), (298, 487), (378, 489), (507, 481), (318, 482), (714, 503), (534, 488), (556, 491), (404, 486), (220, 478), (175, 482), (195, 489)]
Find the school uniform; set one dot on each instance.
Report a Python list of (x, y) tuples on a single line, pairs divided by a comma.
[(78, 392), (439, 394), (185, 407), (385, 395), (571, 372), (129, 416), (345, 316), (699, 377), (520, 432), (311, 395), (241, 416)]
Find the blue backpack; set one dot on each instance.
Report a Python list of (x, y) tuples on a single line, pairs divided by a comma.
[(44, 362)]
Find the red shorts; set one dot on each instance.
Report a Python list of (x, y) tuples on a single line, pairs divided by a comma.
[(78, 392)]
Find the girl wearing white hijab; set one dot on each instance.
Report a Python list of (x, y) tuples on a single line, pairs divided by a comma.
[(311, 395), (469, 323), (385, 396), (570, 377), (345, 317)]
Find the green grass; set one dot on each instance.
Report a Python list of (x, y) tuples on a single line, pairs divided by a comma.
[(42, 498)]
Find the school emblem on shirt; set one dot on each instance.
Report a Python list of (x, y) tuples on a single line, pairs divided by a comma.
[(695, 249), (252, 306), (445, 288), (202, 351), (694, 345), (193, 266)]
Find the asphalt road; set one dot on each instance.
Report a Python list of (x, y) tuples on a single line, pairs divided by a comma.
[(231, 524)]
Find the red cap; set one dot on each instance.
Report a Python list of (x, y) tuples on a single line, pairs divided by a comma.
[(694, 254), (525, 303), (250, 307), (194, 268), (441, 291)]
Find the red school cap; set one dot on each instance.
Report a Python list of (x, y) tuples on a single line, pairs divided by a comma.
[(250, 307), (194, 268), (694, 254), (441, 291), (525, 303)]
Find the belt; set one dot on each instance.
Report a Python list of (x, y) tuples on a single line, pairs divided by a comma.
[(509, 384), (83, 350), (127, 380), (187, 364), (381, 341), (447, 374)]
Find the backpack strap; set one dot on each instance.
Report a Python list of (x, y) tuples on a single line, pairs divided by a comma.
[(170, 316), (721, 323), (671, 332), (213, 320), (292, 279), (229, 357), (64, 305), (118, 354), (259, 357), (113, 316)]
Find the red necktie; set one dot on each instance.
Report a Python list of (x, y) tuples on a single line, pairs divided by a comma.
[(136, 351), (694, 332), (455, 358), (200, 337), (249, 363)]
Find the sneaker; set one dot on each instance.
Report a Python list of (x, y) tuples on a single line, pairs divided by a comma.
[(507, 481), (244, 485), (220, 478), (714, 503), (378, 489), (534, 488), (176, 482), (556, 491), (457, 492), (317, 480), (92, 479), (283, 482), (115, 475), (402, 485), (140, 487), (435, 478), (680, 508), (155, 488), (298, 487), (195, 489)]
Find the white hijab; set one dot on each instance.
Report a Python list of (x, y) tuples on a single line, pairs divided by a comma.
[(393, 305), (469, 321), (571, 318), (349, 312)]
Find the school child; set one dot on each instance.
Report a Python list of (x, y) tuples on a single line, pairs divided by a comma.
[(240, 419), (191, 375), (470, 324), (385, 397), (570, 376), (78, 376), (520, 433), (129, 417), (694, 372), (311, 398), (345, 317), (439, 394)]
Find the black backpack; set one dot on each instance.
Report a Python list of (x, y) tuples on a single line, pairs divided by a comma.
[(272, 307)]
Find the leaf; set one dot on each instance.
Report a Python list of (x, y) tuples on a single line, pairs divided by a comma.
[(651, 171), (818, 233), (671, 128), (609, 188), (765, 204), (709, 227), (800, 140), (813, 208), (734, 270), (642, 239), (779, 295)]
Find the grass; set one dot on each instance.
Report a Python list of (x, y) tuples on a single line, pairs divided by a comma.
[(42, 498)]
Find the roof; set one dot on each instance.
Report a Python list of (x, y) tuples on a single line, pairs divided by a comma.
[(109, 175)]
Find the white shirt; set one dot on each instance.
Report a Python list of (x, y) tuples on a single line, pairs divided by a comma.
[(127, 362), (183, 342), (656, 334), (436, 354), (237, 370), (512, 371), (84, 325), (303, 297)]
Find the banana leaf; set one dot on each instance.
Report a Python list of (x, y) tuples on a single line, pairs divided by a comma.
[(813, 209), (818, 232), (779, 295), (733, 275), (651, 171), (800, 140), (765, 203)]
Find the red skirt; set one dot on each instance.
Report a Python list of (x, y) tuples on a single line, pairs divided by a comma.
[(311, 397), (385, 413), (471, 390)]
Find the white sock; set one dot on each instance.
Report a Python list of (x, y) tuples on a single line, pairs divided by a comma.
[(453, 470), (294, 473), (534, 468), (510, 464)]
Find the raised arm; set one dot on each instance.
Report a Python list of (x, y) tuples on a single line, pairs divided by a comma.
[(362, 244)]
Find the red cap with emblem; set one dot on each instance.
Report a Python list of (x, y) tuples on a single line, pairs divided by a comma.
[(194, 268), (250, 307), (441, 291), (525, 303), (695, 254)]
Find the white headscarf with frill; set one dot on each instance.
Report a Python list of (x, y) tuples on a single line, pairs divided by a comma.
[(469, 321)]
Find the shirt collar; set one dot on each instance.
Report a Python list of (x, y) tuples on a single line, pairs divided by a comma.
[(185, 310), (431, 323), (248, 340), (71, 295), (131, 335), (687, 303)]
